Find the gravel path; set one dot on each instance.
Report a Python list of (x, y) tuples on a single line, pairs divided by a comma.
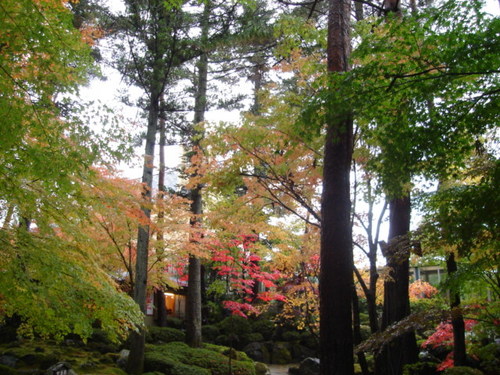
[(279, 369)]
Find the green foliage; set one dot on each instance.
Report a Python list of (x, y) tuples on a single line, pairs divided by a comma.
[(210, 332), (6, 370), (420, 368), (463, 216), (462, 370), (174, 322), (251, 337), (421, 93), (489, 357), (51, 274), (40, 355), (265, 327), (235, 325), (291, 336), (261, 368), (164, 335), (155, 361), (167, 358)]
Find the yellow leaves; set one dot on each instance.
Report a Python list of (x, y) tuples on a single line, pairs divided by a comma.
[(91, 33)]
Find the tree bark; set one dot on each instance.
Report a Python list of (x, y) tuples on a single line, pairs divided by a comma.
[(161, 310), (457, 319), (403, 349), (135, 361), (194, 295), (336, 279), (357, 332)]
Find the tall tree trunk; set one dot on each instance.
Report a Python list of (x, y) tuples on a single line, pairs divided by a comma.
[(194, 300), (135, 361), (457, 319), (161, 309), (403, 349), (336, 280), (357, 331)]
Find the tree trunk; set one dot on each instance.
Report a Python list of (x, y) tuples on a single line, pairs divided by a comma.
[(403, 349), (135, 361), (336, 279), (457, 319), (161, 310), (194, 300), (357, 331)]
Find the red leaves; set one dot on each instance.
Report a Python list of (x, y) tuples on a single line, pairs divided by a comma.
[(444, 337), (235, 260), (444, 334), (241, 309)]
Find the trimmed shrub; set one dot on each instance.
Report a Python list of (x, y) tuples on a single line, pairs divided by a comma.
[(420, 368), (291, 336), (174, 322), (157, 361), (164, 335), (236, 325), (210, 332), (222, 340), (252, 337), (167, 357), (261, 368), (489, 357), (281, 353), (462, 370), (6, 370), (264, 327)]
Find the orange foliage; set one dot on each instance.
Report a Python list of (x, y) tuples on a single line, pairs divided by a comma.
[(421, 289)]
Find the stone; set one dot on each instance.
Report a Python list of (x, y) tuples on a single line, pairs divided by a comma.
[(8, 360), (122, 360), (62, 368), (258, 352), (281, 354), (262, 369), (300, 352), (309, 366)]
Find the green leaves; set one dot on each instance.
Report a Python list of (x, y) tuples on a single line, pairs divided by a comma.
[(425, 88), (50, 275)]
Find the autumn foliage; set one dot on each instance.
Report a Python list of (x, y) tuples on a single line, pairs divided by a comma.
[(235, 261)]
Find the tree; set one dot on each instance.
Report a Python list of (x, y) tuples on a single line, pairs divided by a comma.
[(464, 220), (51, 273), (193, 331), (336, 282), (152, 37)]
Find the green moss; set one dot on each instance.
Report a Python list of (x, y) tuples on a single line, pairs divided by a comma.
[(261, 368), (41, 355), (420, 368), (164, 335), (159, 361), (6, 370), (101, 370), (165, 357), (462, 370)]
